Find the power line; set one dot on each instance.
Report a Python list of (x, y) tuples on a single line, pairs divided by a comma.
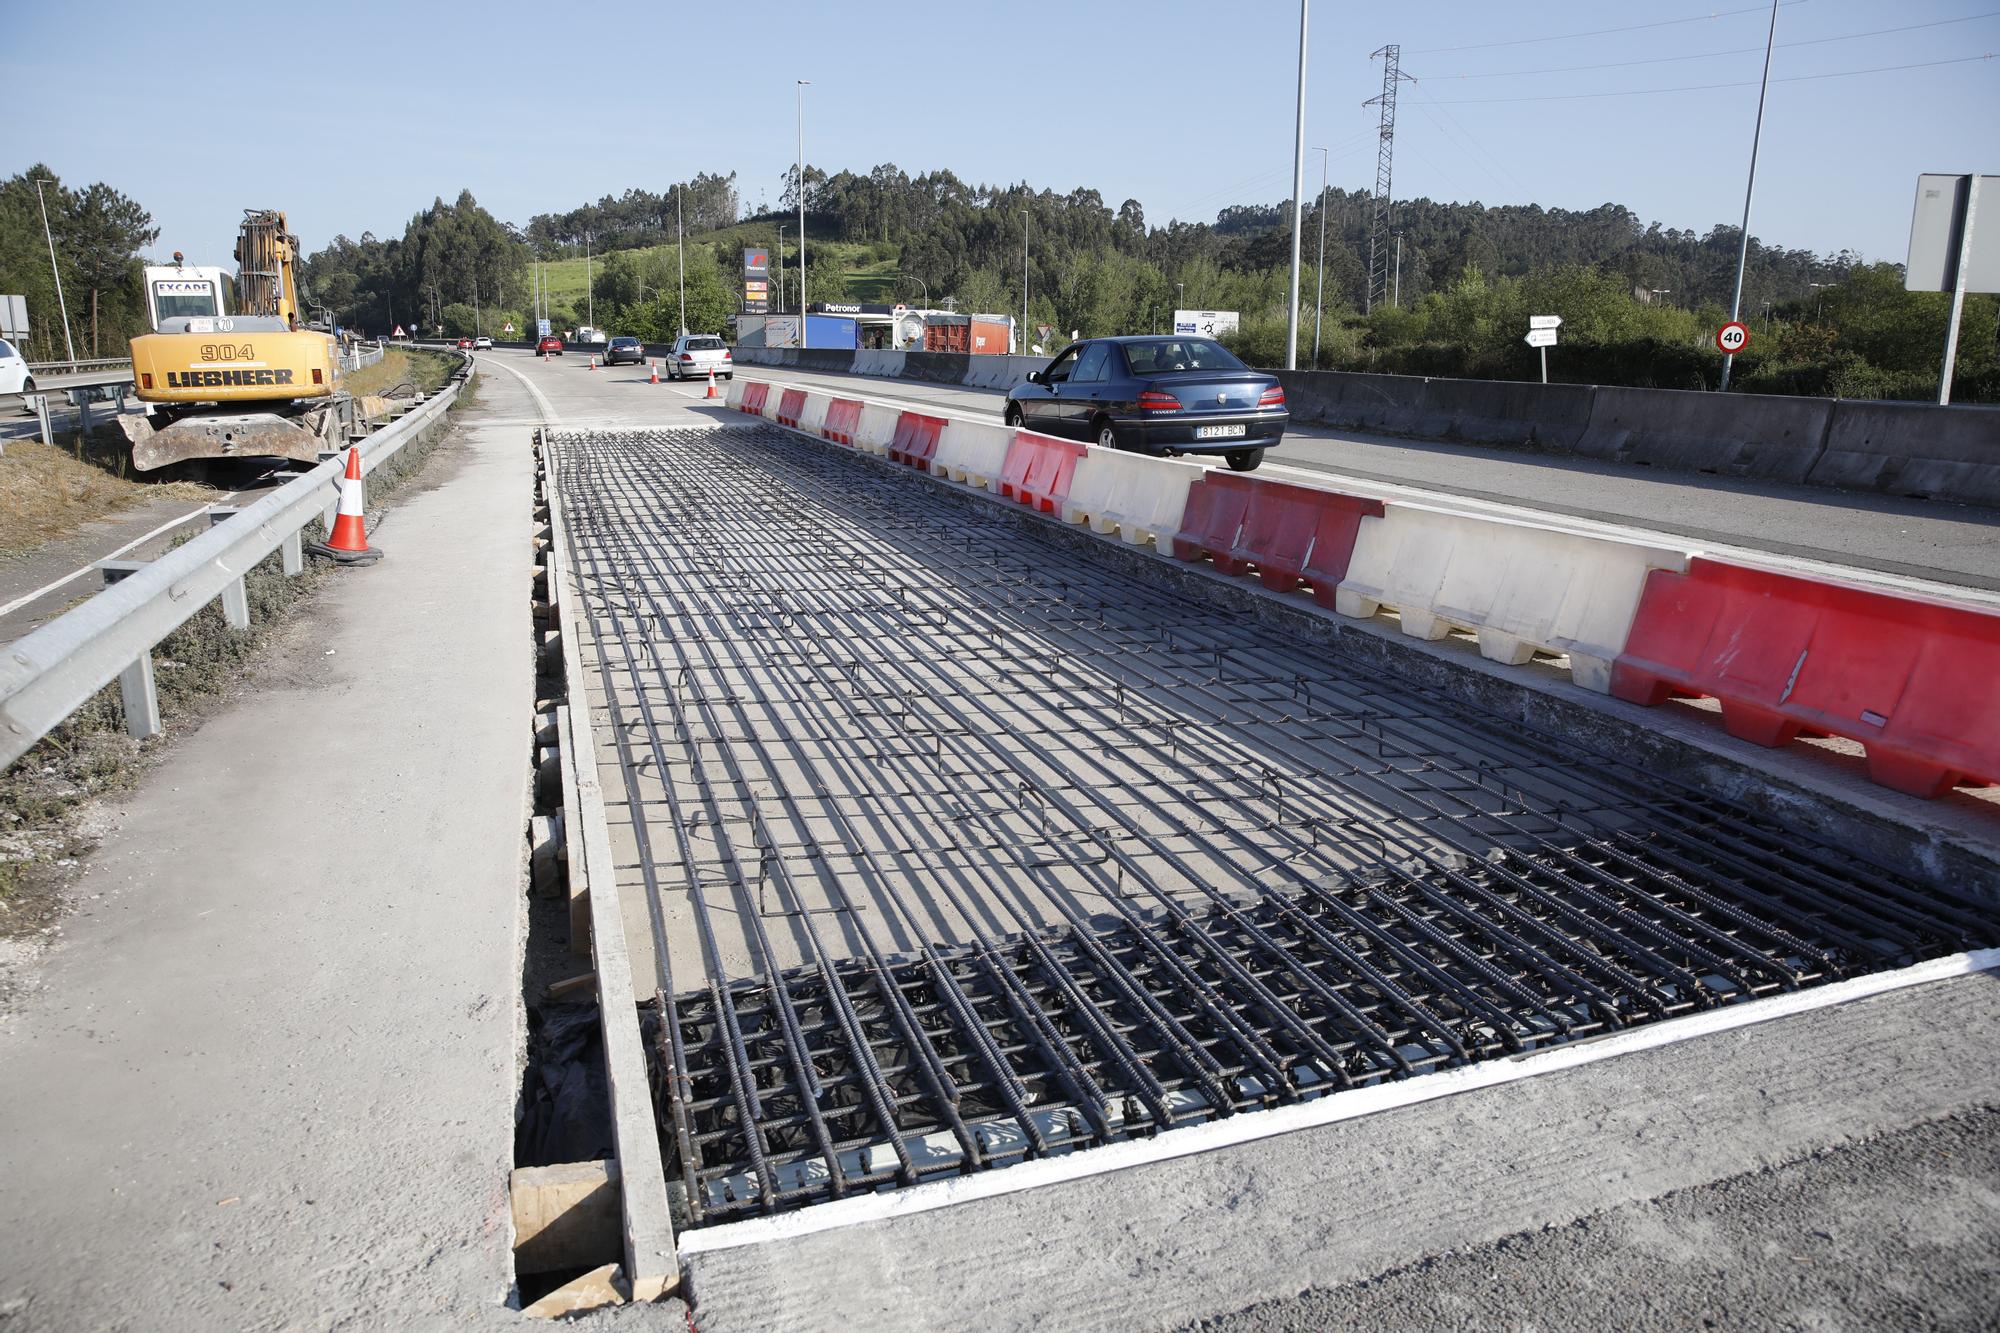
[(1605, 32), (1709, 87), (1706, 55)]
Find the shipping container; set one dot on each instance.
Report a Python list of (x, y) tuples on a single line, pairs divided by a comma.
[(992, 337), (831, 331), (971, 335), (947, 333)]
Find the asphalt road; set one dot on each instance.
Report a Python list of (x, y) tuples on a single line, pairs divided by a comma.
[(1953, 545)]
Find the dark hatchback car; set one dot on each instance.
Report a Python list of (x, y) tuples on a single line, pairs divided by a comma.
[(1155, 395), (623, 350)]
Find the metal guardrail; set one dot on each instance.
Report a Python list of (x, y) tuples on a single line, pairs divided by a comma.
[(79, 366), (49, 674)]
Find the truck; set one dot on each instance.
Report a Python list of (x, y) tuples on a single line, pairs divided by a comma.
[(588, 335)]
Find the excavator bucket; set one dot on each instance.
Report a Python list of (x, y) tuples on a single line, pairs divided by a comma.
[(215, 435)]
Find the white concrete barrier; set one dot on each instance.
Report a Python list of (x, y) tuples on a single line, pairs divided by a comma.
[(1521, 589), (1141, 499), (734, 397), (878, 426), (973, 452)]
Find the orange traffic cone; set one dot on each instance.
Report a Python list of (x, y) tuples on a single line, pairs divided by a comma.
[(593, 362), (656, 374), (349, 543), (711, 384)]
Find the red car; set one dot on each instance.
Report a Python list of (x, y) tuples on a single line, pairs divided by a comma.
[(465, 344), (551, 345)]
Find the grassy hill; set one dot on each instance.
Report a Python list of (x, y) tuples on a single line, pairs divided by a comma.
[(864, 274)]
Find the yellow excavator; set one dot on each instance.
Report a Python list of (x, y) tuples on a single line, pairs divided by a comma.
[(255, 382)]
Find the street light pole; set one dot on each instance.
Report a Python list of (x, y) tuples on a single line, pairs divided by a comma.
[(1319, 301), (589, 286), (1024, 278), (801, 92), (925, 285), (1298, 202), (1749, 192), (61, 300), (680, 254)]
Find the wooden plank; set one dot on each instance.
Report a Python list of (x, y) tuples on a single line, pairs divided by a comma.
[(651, 1263), (566, 1216)]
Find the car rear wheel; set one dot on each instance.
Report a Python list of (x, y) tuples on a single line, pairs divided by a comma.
[(1013, 416), (1244, 460), (1107, 434)]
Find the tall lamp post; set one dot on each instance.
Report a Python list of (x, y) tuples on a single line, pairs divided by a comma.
[(1749, 192), (803, 85), (61, 300), (1319, 299), (1298, 203), (680, 256)]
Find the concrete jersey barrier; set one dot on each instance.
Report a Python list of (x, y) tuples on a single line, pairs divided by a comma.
[(1139, 498), (1916, 449), (1737, 435)]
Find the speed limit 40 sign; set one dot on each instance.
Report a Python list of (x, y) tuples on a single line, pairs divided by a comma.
[(1732, 337)]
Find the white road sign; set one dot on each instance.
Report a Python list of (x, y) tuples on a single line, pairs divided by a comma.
[(1545, 321), (1205, 323), (1540, 338)]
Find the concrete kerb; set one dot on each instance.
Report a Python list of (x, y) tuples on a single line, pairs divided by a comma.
[(652, 1265), (1919, 449)]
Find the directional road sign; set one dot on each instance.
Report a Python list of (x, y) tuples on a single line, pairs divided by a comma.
[(1545, 321), (1540, 338), (1732, 337)]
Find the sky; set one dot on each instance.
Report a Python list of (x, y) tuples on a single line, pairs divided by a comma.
[(370, 110)]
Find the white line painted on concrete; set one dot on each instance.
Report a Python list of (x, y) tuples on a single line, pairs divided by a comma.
[(548, 410), (75, 574), (1252, 1126)]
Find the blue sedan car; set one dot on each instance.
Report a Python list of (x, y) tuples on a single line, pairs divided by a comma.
[(1155, 395)]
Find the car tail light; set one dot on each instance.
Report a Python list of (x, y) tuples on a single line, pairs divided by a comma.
[(726, 356), (1272, 397), (147, 378), (687, 356), (1152, 400)]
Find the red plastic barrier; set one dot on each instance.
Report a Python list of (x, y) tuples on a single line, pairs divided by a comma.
[(1288, 530), (789, 407), (1038, 469), (843, 418), (1916, 681), (754, 397), (1333, 543), (1213, 517), (916, 440)]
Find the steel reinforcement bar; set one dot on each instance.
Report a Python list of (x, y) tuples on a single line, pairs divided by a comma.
[(965, 849)]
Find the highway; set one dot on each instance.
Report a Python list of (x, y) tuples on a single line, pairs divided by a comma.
[(910, 789), (1948, 544)]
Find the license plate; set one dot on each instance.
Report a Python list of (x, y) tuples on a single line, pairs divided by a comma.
[(1218, 432)]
